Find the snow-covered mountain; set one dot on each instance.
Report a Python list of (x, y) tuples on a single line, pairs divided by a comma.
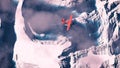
[(105, 19), (102, 24)]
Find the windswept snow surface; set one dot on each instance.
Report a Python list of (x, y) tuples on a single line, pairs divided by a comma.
[(44, 54)]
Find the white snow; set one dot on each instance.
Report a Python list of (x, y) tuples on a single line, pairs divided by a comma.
[(82, 18), (65, 3), (41, 55), (28, 51), (94, 61)]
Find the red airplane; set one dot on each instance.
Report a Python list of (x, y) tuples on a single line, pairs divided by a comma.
[(67, 22)]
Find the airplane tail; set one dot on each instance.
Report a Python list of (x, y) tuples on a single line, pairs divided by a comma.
[(63, 21)]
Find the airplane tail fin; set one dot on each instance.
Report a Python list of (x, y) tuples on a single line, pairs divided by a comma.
[(63, 21)]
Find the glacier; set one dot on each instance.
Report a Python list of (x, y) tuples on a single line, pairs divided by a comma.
[(105, 20)]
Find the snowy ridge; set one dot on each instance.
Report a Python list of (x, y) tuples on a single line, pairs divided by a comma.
[(61, 39), (66, 3), (97, 51), (106, 19), (108, 16)]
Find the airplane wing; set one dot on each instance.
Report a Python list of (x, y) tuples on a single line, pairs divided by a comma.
[(69, 23)]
